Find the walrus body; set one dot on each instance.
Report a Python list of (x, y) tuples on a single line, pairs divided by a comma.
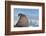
[(22, 22)]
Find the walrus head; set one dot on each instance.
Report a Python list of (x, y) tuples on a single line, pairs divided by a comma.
[(23, 20)]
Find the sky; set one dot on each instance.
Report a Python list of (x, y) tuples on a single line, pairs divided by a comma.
[(31, 13)]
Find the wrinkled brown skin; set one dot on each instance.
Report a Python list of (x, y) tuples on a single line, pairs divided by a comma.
[(22, 22)]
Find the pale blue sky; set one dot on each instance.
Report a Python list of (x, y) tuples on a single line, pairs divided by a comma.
[(29, 12)]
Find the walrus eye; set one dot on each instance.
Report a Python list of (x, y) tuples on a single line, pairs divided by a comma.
[(20, 14)]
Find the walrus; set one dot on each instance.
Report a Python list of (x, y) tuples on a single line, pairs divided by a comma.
[(23, 21)]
